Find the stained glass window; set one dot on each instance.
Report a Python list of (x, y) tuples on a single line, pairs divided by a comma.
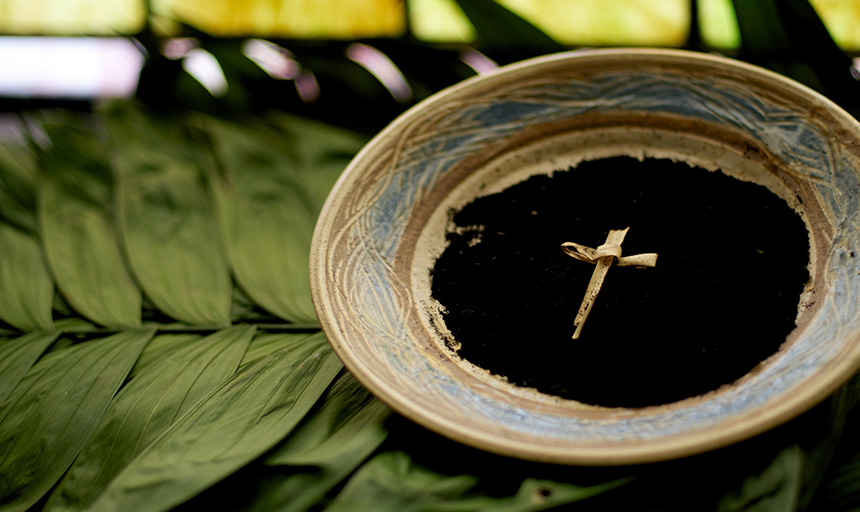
[(571, 22)]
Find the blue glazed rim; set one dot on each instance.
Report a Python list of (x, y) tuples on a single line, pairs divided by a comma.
[(365, 241)]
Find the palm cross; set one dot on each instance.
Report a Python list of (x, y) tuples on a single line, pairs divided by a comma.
[(603, 257)]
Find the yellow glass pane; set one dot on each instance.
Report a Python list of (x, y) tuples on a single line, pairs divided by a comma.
[(608, 22), (339, 19), (718, 24), (440, 21), (69, 17), (842, 18)]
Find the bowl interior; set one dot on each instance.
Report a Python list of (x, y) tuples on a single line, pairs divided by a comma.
[(546, 153)]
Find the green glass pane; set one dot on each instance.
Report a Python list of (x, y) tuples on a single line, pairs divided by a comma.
[(440, 20), (718, 24)]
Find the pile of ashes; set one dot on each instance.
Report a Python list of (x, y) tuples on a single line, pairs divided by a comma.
[(723, 297)]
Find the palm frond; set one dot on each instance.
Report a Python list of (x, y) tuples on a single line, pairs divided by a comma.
[(54, 409), (235, 424), (76, 220)]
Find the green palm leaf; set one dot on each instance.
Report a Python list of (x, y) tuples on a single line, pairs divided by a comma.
[(18, 355), (392, 482), (161, 346), (776, 489), (145, 408), (328, 446), (342, 430), (75, 196), (264, 345), (26, 285), (842, 490), (272, 182), (54, 409), (17, 184), (266, 221), (322, 153), (349, 420), (165, 217), (234, 425)]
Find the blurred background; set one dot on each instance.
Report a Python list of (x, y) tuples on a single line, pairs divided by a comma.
[(358, 63)]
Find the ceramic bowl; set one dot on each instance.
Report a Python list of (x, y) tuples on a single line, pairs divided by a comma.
[(384, 224)]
